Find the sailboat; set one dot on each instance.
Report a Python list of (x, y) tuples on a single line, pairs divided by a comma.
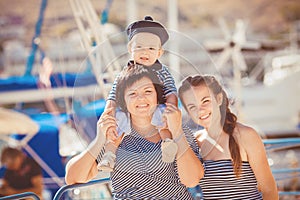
[(48, 87), (253, 107), (272, 105)]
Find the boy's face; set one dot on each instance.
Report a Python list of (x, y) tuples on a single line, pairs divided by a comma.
[(145, 48)]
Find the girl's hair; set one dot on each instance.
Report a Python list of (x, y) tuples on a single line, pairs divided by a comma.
[(228, 119), (131, 74)]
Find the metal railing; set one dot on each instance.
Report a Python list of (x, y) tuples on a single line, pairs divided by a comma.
[(271, 144), (21, 196), (281, 143), (286, 173), (65, 188), (290, 193)]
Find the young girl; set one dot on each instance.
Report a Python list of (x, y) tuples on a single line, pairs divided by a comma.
[(236, 168)]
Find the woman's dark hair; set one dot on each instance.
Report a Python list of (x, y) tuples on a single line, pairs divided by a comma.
[(131, 74), (228, 119)]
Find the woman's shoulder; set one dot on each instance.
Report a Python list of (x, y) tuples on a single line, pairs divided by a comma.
[(247, 135)]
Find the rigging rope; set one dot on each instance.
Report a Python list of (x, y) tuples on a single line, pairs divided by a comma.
[(105, 12), (35, 39)]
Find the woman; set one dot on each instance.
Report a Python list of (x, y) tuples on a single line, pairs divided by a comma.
[(237, 167), (139, 171)]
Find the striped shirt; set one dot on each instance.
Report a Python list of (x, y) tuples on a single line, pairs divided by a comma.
[(163, 74), (140, 173), (220, 182)]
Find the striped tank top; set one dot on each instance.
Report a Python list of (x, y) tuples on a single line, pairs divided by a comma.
[(220, 182), (140, 173)]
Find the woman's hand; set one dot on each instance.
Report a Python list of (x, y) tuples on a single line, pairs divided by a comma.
[(107, 122), (174, 119)]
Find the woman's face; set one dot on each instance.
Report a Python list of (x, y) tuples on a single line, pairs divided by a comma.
[(202, 106), (141, 98)]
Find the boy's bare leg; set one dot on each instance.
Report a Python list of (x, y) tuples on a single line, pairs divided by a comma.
[(172, 99)]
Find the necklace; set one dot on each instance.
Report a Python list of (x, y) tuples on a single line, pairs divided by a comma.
[(149, 133)]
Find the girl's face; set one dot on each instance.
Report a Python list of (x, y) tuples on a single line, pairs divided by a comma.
[(202, 106), (145, 48), (141, 98)]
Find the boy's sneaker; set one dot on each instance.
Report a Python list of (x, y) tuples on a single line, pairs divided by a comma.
[(168, 150), (107, 163)]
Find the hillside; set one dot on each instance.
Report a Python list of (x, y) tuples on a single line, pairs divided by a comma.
[(272, 17)]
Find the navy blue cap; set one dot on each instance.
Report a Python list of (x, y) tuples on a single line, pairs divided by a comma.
[(147, 25)]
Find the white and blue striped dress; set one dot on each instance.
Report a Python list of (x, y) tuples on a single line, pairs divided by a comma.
[(140, 173), (220, 182)]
